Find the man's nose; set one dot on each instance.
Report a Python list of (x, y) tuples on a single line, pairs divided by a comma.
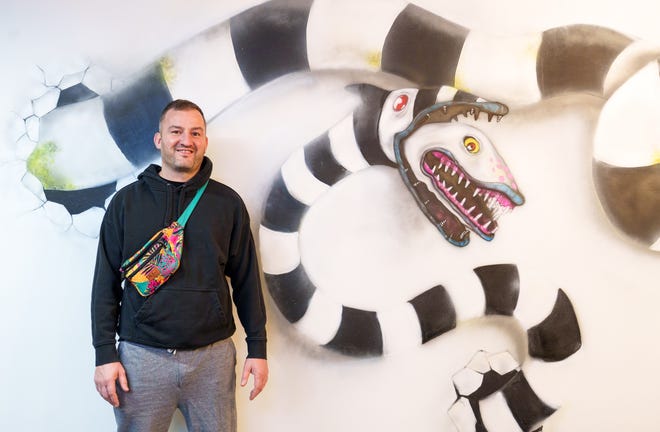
[(186, 138)]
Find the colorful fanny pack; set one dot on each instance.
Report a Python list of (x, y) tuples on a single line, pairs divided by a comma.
[(159, 258)]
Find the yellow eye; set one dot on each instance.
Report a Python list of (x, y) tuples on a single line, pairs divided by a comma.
[(471, 144)]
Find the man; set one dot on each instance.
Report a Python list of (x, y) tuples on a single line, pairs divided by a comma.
[(175, 349)]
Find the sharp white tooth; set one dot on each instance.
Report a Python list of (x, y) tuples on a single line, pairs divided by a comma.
[(450, 188), (476, 191), (437, 177), (444, 184), (476, 219), (494, 230), (433, 169), (460, 178), (463, 202), (467, 182), (471, 209), (487, 223), (446, 167), (453, 172), (454, 196)]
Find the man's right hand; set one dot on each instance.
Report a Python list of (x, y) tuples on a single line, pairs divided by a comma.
[(106, 377)]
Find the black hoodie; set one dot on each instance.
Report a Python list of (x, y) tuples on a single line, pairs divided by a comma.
[(193, 308)]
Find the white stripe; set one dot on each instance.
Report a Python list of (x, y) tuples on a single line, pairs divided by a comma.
[(634, 57), (322, 319), (347, 40), (462, 415), (467, 294), (400, 328), (446, 94), (543, 381), (280, 252), (300, 182), (496, 415), (194, 70), (344, 147), (501, 68), (627, 134), (537, 297)]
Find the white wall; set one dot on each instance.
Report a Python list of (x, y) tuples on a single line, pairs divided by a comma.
[(47, 358)]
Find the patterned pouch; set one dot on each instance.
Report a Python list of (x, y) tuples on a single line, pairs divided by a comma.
[(150, 267)]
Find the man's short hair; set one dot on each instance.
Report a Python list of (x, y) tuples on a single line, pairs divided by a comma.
[(180, 105)]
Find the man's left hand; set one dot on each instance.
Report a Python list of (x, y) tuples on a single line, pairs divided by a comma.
[(258, 368)]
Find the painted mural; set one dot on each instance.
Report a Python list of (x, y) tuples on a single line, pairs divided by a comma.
[(423, 101)]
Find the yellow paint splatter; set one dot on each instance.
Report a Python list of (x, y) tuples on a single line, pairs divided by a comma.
[(459, 84), (656, 157), (167, 68), (374, 59)]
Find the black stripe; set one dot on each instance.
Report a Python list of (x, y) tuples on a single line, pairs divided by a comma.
[(491, 383), (282, 211), (359, 334), (365, 124), (577, 58), (630, 198), (435, 312), (525, 405), (77, 201), (501, 286), (132, 115), (558, 335), (291, 292), (77, 93), (322, 163), (270, 40), (423, 47), (424, 99)]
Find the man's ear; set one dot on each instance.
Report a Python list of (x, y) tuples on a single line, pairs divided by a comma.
[(157, 139)]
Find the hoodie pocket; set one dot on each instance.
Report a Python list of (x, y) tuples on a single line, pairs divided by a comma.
[(181, 317)]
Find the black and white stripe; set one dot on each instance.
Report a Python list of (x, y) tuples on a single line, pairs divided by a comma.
[(279, 37), (307, 175), (493, 394)]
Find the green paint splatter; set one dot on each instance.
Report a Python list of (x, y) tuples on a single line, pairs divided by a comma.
[(40, 164), (167, 69)]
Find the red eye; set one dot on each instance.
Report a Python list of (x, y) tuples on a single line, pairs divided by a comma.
[(400, 102)]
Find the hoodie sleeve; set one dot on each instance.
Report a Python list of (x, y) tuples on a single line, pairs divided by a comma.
[(106, 286), (243, 270)]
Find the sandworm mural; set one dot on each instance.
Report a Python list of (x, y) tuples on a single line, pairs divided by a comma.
[(447, 65)]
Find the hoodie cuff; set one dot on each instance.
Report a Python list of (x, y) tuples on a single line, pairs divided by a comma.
[(256, 349), (106, 354)]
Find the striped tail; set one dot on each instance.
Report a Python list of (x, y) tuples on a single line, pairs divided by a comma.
[(280, 37)]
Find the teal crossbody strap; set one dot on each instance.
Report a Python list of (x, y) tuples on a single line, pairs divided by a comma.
[(188, 211)]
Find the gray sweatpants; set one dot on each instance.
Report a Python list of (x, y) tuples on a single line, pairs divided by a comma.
[(200, 382)]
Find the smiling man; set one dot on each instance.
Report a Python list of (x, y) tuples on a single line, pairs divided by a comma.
[(175, 349)]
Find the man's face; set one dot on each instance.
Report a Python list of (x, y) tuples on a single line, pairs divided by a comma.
[(182, 143)]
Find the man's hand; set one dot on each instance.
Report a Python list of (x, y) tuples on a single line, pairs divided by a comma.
[(258, 368), (106, 377)]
